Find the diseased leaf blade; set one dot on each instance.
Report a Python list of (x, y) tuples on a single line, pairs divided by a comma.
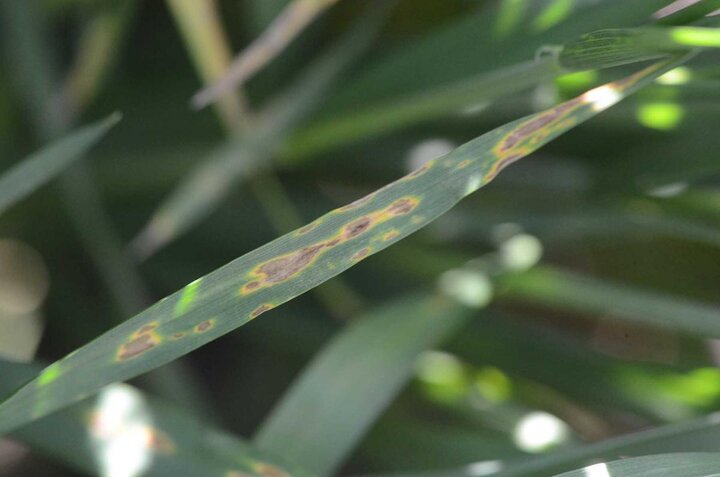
[(40, 167), (296, 262)]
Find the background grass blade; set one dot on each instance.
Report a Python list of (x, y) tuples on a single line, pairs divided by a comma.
[(175, 442), (339, 394), (575, 292), (39, 168), (664, 465), (297, 262), (288, 24)]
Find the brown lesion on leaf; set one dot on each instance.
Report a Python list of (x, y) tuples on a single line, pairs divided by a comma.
[(528, 129), (178, 335), (261, 309), (463, 164), (249, 287), (360, 254), (280, 269), (421, 170), (137, 346), (204, 326), (357, 227), (403, 206), (392, 234)]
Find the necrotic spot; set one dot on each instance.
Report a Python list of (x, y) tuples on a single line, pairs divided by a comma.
[(137, 346), (356, 228), (282, 268), (204, 326), (260, 310), (402, 206)]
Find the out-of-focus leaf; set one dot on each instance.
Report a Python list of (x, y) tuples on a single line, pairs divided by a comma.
[(605, 48), (297, 262), (571, 291), (39, 168), (664, 465), (697, 436), (350, 382), (288, 24), (146, 434)]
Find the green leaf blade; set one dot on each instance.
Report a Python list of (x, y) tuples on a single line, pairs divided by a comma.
[(42, 166), (351, 381)]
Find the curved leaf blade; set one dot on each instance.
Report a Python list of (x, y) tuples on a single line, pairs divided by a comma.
[(43, 165), (296, 262)]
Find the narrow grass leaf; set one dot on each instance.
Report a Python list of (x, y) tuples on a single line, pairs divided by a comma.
[(571, 291), (664, 465), (606, 48), (300, 260), (291, 21), (39, 168), (352, 380), (154, 437)]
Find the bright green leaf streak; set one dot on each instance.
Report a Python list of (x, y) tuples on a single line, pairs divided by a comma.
[(45, 164), (301, 260), (178, 443)]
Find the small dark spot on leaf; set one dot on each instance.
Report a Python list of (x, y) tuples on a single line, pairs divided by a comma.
[(333, 242), (357, 227), (401, 206), (177, 336), (252, 285), (204, 326)]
